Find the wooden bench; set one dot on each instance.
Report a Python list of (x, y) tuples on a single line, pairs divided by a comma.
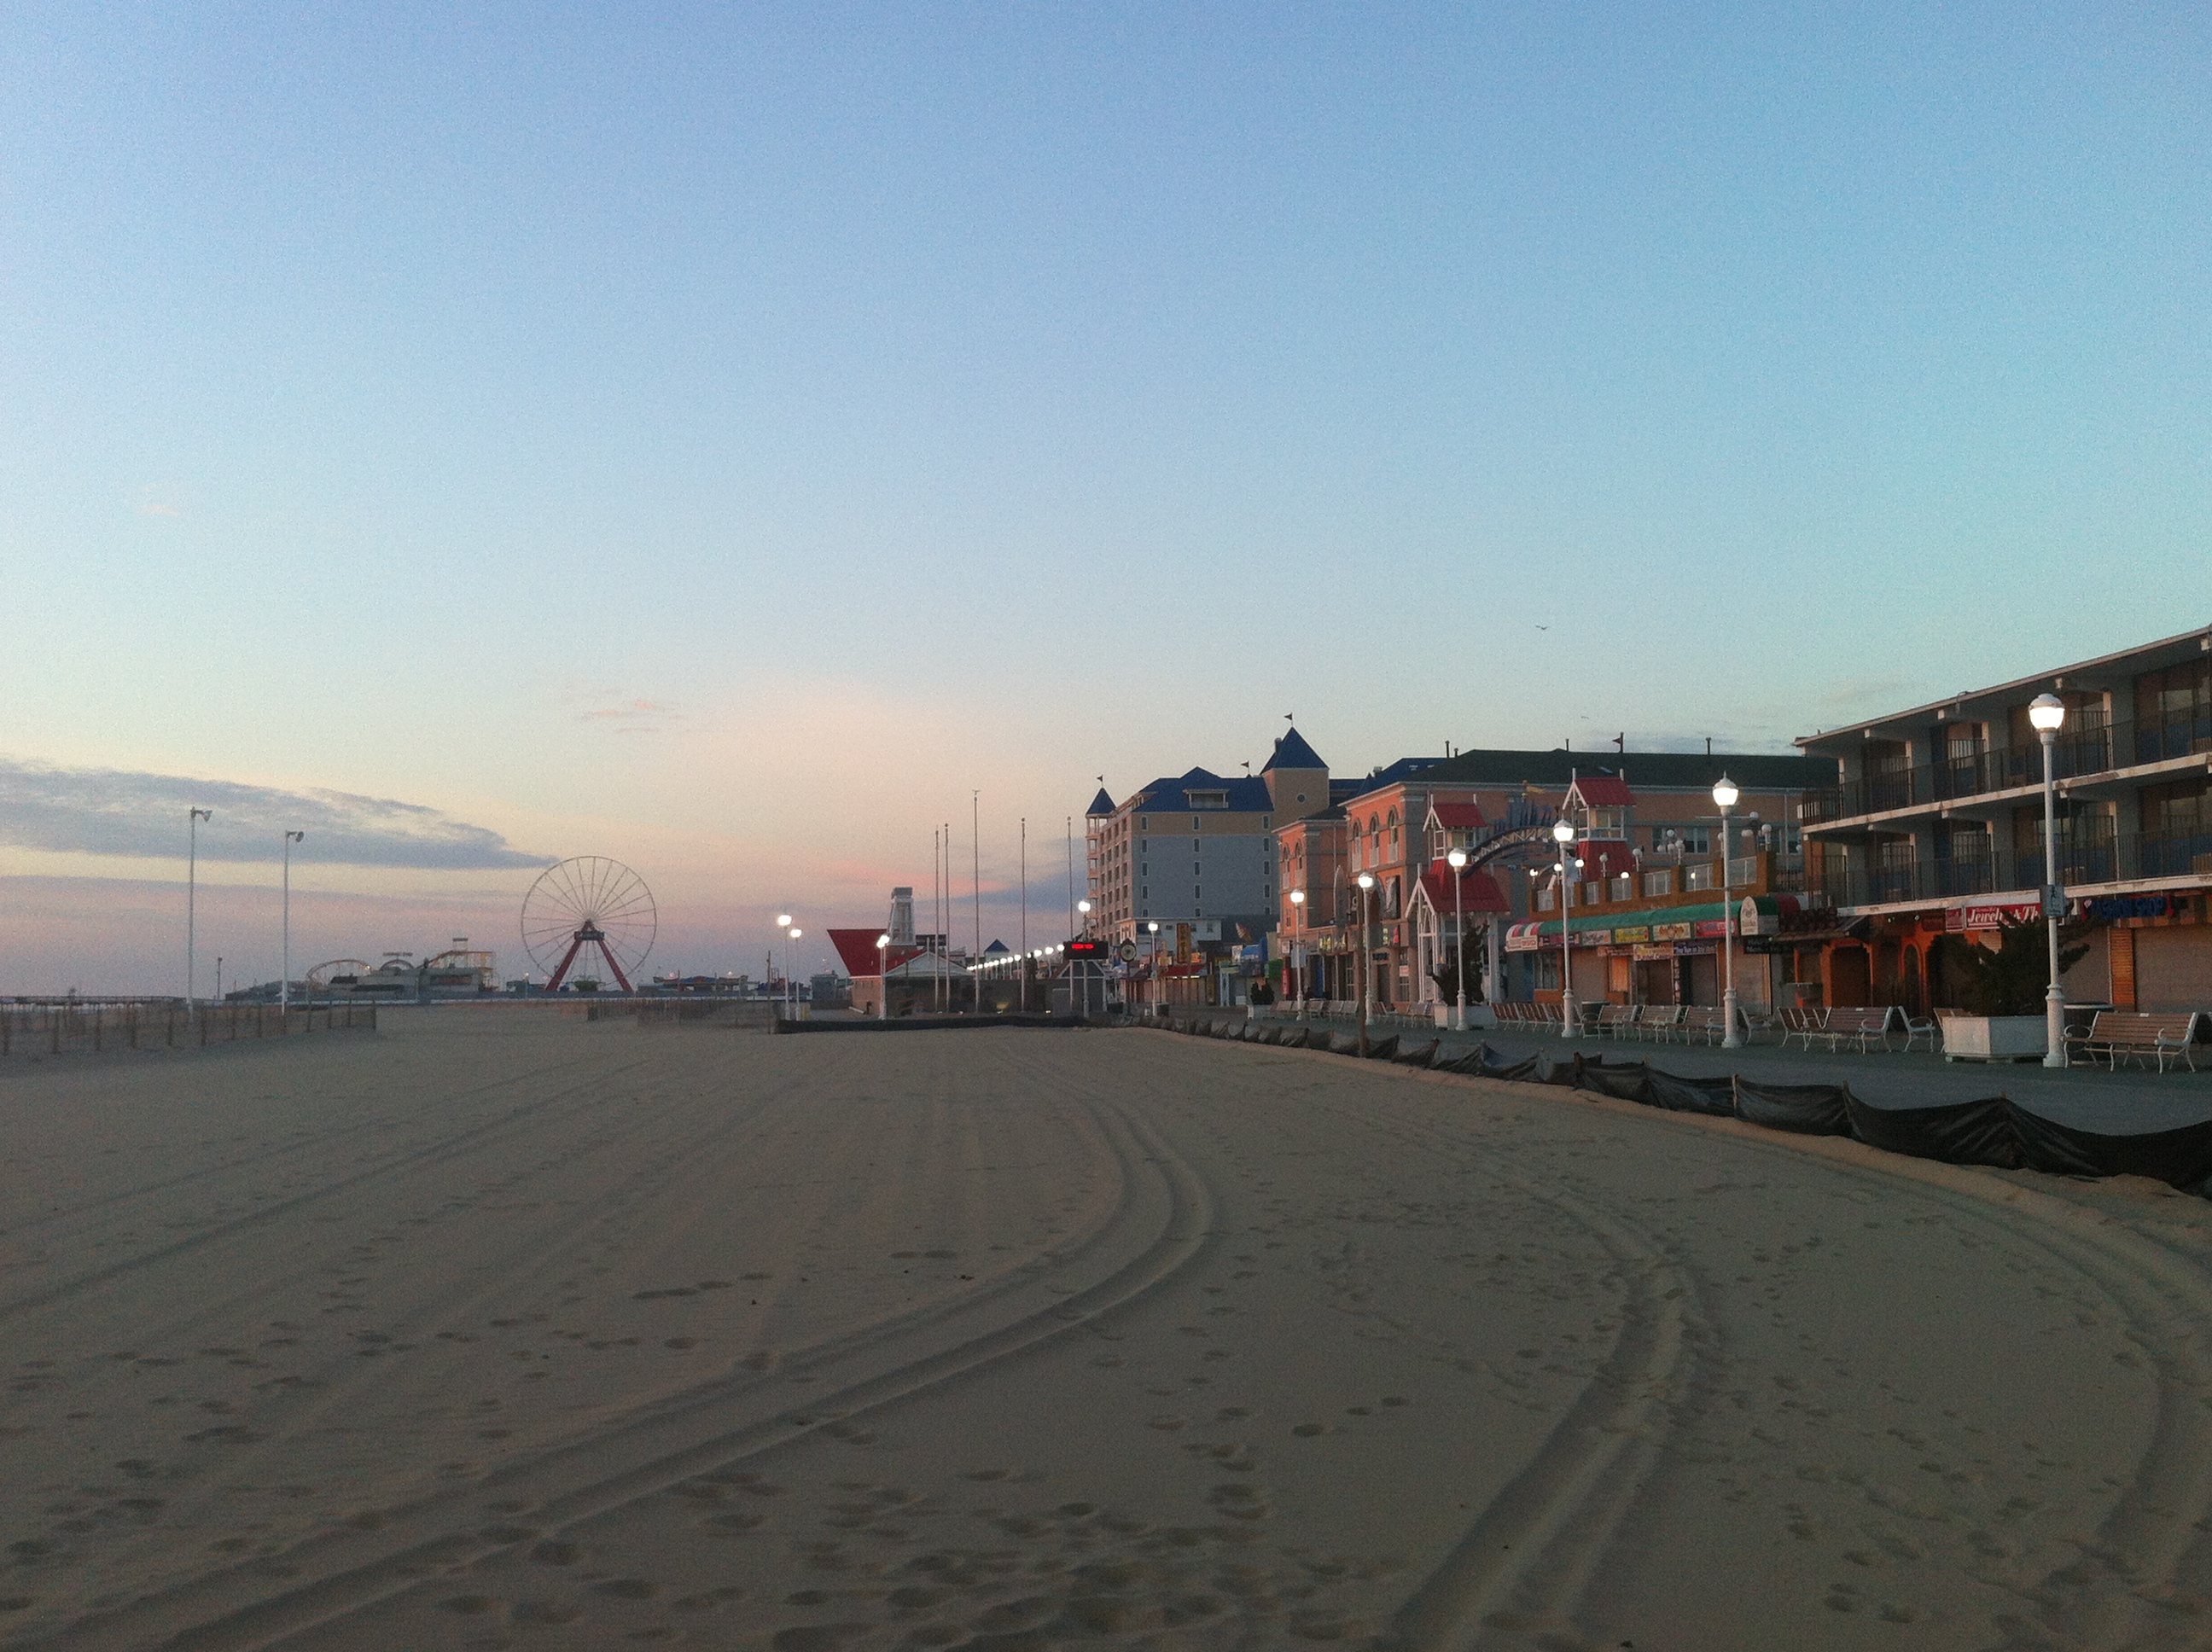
[(1704, 1021), (1859, 1026), (2117, 1033), (1617, 1020), (1806, 1022), (1660, 1022)]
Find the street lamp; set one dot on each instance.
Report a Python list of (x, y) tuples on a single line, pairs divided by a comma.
[(1366, 959), (1457, 861), (284, 982), (1298, 945), (1725, 794), (882, 978), (192, 897), (1563, 833), (2047, 712), (1083, 908)]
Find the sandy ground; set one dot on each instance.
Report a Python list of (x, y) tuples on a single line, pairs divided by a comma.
[(490, 1331)]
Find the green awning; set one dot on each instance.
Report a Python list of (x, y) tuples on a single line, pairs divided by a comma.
[(1702, 911)]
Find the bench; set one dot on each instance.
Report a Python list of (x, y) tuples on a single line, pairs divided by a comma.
[(1659, 1022), (1704, 1021), (2117, 1033), (1861, 1026), (1806, 1022), (1617, 1020)]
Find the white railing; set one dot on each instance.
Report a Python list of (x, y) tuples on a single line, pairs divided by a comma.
[(1743, 873), (1622, 888), (1658, 882), (1699, 876), (1547, 900)]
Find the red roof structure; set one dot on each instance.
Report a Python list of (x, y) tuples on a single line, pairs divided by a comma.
[(1458, 816), (857, 950), (1601, 792), (1478, 892)]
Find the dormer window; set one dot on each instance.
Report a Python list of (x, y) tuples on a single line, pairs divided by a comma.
[(1208, 799)]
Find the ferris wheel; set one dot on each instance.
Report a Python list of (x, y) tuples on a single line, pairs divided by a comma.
[(588, 902)]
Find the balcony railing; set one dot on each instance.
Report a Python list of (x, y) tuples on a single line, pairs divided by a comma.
[(2104, 859), (1698, 875), (2086, 746), (1657, 883)]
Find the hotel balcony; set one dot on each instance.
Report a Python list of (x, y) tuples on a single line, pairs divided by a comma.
[(2091, 754), (2110, 864)]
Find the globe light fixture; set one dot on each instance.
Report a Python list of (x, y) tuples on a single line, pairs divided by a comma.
[(1366, 882), (1725, 794), (1457, 861), (883, 979), (1563, 833), (2046, 712)]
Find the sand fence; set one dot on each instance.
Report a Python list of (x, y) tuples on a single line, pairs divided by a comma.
[(41, 1029)]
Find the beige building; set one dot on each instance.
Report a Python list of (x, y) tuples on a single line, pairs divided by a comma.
[(1198, 845)]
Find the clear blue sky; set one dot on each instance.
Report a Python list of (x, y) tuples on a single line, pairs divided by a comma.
[(721, 437)]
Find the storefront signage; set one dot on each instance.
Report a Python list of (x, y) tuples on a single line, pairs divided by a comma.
[(1661, 951), (1672, 931), (1993, 916), (1633, 935), (1522, 938), (1714, 928), (2112, 908)]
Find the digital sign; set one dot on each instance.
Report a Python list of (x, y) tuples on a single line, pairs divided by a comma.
[(1087, 948)]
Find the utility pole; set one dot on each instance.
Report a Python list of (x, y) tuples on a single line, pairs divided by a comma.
[(191, 899)]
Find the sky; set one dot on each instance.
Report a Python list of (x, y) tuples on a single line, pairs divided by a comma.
[(737, 441)]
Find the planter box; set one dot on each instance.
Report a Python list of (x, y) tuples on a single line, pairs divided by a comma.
[(1994, 1038), (1479, 1016)]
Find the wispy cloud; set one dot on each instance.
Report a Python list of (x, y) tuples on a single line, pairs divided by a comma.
[(117, 813), (633, 716)]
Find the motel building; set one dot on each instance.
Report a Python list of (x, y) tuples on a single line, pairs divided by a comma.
[(1932, 836)]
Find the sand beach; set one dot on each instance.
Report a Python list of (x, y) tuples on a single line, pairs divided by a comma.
[(490, 1330)]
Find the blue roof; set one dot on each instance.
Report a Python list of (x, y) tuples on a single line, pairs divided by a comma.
[(1100, 804), (1171, 793), (1291, 751)]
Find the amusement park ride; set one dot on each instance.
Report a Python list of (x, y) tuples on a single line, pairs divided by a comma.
[(584, 904)]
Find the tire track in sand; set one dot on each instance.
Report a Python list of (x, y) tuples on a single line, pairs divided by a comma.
[(1532, 1556), (1161, 1223)]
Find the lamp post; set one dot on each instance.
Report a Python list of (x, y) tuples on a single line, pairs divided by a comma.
[(284, 980), (2047, 712), (1366, 959), (1725, 794), (1078, 969), (1298, 945), (882, 978), (782, 923), (192, 897), (1457, 861), (1563, 833), (790, 976)]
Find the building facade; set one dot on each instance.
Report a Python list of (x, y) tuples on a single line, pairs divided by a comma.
[(1931, 828), (1650, 829), (1198, 846)]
